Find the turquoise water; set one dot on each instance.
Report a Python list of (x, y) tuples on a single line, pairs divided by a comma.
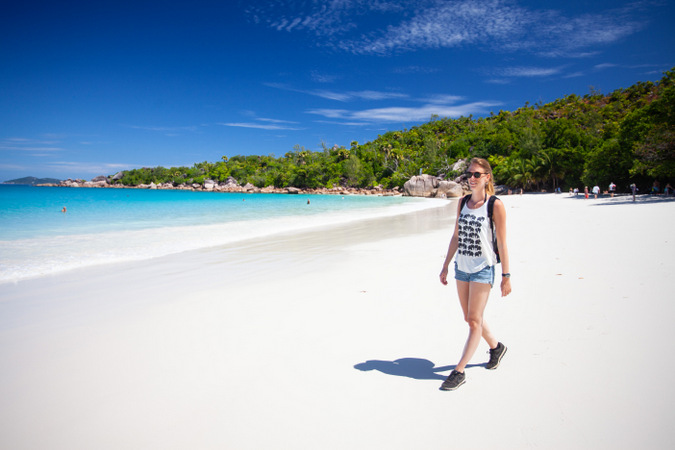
[(115, 225)]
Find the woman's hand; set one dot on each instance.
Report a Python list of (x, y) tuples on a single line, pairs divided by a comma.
[(506, 286), (444, 275)]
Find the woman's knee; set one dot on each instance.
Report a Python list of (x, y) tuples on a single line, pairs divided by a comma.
[(474, 322)]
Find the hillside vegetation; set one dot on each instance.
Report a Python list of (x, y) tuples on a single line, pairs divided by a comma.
[(626, 137)]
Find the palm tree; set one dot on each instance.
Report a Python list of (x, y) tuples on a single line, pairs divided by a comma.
[(550, 168), (521, 173)]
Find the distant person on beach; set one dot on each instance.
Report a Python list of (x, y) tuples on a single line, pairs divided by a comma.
[(586, 191), (634, 189), (655, 188), (472, 242), (612, 189), (596, 190), (668, 190)]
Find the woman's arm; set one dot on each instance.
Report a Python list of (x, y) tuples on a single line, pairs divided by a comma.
[(452, 248), (499, 217)]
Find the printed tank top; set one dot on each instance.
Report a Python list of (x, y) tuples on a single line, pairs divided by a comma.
[(474, 249)]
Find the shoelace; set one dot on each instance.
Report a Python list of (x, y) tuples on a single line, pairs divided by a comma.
[(492, 353)]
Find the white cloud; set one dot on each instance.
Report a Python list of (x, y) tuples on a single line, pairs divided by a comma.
[(376, 95), (443, 99), (29, 145), (443, 105), (444, 25), (261, 126), (384, 27), (507, 75), (348, 124), (329, 95), (322, 18), (263, 123), (342, 96), (605, 66), (574, 75), (404, 114), (262, 119), (319, 77), (30, 149), (531, 72), (499, 81)]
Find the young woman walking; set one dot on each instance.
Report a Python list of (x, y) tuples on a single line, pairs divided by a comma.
[(472, 242)]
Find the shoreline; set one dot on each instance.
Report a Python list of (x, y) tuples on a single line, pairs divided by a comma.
[(314, 239), (65, 253), (341, 340)]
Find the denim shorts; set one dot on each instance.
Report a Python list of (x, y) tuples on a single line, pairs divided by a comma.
[(485, 276)]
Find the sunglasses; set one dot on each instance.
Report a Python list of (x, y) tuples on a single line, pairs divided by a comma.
[(474, 174)]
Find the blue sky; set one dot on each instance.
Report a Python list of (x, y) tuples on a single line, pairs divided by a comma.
[(91, 88)]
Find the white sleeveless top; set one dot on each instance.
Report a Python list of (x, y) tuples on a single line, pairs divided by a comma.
[(474, 250)]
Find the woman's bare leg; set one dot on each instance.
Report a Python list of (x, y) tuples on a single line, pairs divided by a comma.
[(473, 298), (488, 336), (463, 291)]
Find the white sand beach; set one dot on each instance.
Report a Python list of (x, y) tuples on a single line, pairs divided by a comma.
[(340, 339)]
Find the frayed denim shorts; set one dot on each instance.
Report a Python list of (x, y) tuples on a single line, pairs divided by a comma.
[(485, 276)]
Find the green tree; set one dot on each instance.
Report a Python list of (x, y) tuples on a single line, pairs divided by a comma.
[(609, 162), (353, 171)]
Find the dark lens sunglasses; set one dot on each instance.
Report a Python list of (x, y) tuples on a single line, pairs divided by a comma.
[(474, 174)]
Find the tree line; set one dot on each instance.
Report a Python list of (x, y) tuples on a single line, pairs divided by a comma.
[(624, 137)]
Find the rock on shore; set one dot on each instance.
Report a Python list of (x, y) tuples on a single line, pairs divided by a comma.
[(228, 186), (418, 186), (430, 186)]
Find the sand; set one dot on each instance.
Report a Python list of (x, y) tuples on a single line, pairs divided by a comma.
[(340, 338)]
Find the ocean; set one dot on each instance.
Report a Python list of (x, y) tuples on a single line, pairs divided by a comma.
[(103, 226)]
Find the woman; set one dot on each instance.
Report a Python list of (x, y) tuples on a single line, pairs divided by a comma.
[(472, 241)]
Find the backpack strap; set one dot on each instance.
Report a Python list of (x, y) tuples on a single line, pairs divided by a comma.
[(463, 201), (491, 205)]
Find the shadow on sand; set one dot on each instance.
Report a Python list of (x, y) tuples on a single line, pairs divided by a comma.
[(415, 368)]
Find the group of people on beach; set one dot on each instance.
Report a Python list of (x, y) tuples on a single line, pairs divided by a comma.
[(655, 190), (478, 244), (595, 191)]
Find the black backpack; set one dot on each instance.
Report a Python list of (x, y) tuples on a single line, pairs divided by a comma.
[(491, 207)]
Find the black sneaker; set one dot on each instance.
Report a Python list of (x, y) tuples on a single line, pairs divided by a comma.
[(496, 355), (454, 380)]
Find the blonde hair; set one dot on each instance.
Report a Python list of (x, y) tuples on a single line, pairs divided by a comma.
[(485, 165)]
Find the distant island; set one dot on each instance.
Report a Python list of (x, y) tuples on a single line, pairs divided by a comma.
[(32, 181)]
